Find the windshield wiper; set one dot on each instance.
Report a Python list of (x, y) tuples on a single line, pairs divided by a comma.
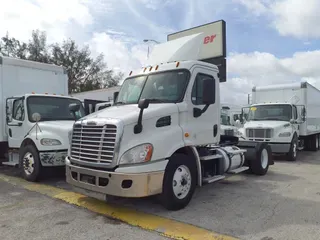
[(155, 100), (119, 103)]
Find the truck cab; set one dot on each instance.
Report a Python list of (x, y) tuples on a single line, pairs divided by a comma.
[(275, 123), (162, 135), (37, 127)]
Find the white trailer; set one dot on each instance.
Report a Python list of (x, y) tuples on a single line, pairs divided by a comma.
[(162, 135), (287, 116), (34, 124)]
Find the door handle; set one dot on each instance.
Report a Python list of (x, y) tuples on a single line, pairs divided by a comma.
[(10, 132)]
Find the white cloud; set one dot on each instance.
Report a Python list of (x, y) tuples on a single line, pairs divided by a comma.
[(297, 18), (260, 68), (59, 18), (118, 55)]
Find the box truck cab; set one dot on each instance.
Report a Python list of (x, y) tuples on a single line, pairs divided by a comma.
[(287, 116), (34, 125)]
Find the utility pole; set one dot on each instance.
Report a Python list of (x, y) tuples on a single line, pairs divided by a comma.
[(147, 41)]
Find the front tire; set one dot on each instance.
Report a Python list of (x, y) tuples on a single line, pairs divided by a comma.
[(179, 182), (260, 165), (29, 163)]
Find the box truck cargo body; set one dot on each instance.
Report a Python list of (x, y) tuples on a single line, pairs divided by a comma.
[(35, 116), (285, 115)]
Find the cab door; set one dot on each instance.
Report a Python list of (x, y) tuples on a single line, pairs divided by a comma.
[(202, 122), (15, 121)]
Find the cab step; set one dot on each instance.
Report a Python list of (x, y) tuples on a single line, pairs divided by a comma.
[(210, 157), (213, 179), (238, 170)]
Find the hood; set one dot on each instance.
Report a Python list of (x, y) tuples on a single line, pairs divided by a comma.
[(129, 113), (264, 124), (61, 126)]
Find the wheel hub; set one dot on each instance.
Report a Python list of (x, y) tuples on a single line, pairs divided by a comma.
[(181, 182), (28, 163)]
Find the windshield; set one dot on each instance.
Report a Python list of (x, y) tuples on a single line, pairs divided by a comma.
[(160, 87), (52, 108), (280, 112)]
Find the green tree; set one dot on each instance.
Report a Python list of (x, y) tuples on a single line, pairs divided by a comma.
[(12, 47), (84, 71)]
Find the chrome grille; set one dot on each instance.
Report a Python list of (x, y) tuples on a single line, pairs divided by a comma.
[(93, 143), (229, 132), (259, 133)]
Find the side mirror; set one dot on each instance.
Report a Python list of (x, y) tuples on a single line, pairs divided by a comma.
[(208, 92), (303, 114), (73, 108), (143, 103), (238, 123), (115, 95)]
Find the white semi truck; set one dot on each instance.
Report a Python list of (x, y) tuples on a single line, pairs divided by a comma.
[(35, 118), (162, 136), (287, 116)]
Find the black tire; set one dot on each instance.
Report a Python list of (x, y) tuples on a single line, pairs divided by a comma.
[(33, 152), (168, 198), (292, 154), (260, 165)]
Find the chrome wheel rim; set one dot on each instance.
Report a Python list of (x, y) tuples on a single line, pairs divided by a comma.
[(181, 182)]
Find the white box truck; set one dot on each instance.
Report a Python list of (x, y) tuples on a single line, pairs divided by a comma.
[(162, 136), (287, 116), (34, 124)]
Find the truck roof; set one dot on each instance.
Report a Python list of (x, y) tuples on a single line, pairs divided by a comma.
[(270, 103), (47, 95), (295, 85), (171, 65), (31, 64), (180, 53)]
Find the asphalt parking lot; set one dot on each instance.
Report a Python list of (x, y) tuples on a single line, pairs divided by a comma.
[(284, 204)]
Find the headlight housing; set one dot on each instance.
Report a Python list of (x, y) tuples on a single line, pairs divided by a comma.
[(49, 142), (138, 154), (285, 134)]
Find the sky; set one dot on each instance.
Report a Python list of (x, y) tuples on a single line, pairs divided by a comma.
[(268, 41)]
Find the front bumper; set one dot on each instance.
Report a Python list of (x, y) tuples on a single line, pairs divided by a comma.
[(276, 147), (115, 183), (53, 158)]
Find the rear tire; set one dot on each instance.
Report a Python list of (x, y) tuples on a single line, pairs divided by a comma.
[(292, 154), (29, 163), (260, 165), (179, 182)]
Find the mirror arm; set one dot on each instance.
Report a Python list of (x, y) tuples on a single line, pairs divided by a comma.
[(138, 127), (197, 112)]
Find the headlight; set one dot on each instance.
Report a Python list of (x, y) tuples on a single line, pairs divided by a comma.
[(139, 154), (49, 142), (285, 134)]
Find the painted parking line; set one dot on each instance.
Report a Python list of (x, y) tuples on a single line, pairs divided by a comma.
[(166, 227)]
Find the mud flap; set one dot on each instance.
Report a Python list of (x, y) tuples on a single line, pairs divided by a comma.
[(253, 149)]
